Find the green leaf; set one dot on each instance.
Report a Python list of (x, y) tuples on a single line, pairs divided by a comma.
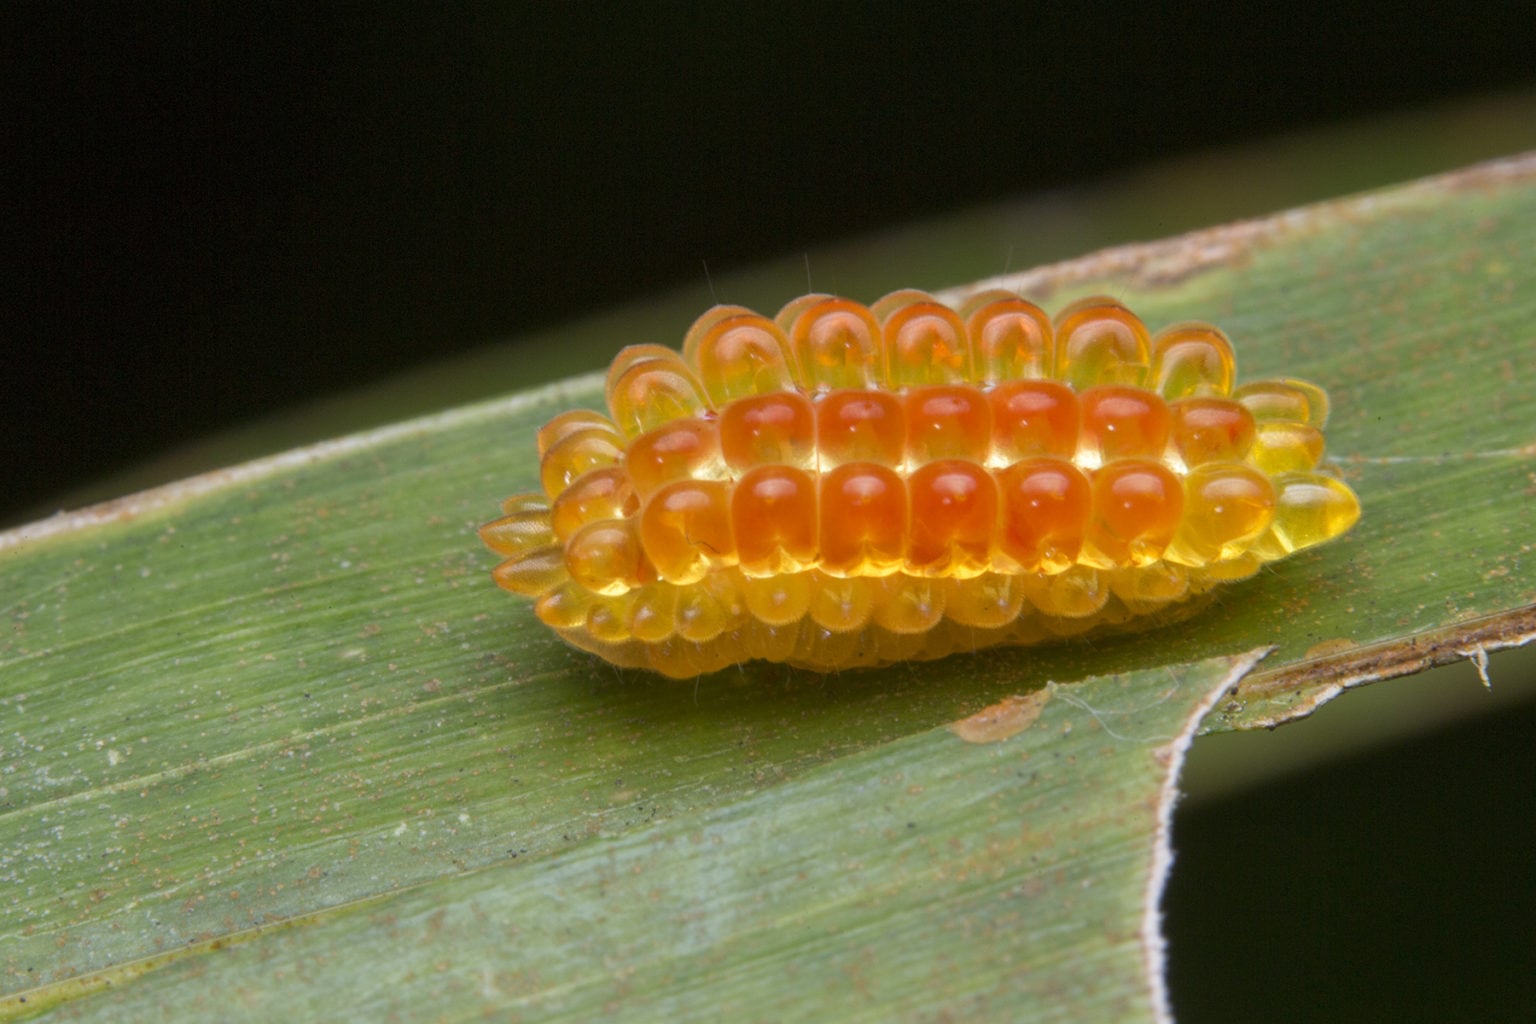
[(286, 693), (1414, 308), (961, 871)]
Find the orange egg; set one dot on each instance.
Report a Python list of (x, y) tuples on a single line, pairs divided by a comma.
[(848, 485)]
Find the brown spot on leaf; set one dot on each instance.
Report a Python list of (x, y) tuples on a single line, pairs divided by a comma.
[(1328, 648), (1008, 717)]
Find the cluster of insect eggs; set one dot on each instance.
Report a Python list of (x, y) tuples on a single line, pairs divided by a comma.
[(848, 485)]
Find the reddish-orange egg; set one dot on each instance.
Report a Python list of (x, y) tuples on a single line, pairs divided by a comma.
[(846, 485)]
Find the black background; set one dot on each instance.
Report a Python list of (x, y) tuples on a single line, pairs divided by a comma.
[(1392, 884), (216, 209)]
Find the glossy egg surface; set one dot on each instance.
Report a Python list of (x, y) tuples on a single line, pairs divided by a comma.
[(847, 485)]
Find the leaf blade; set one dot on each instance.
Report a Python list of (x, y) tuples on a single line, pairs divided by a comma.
[(291, 688), (759, 919)]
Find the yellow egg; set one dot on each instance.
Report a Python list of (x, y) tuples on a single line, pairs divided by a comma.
[(846, 486)]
